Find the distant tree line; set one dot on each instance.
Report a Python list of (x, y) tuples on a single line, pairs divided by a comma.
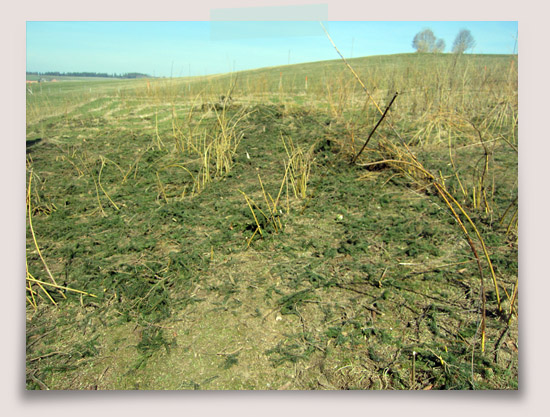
[(425, 41), (90, 74)]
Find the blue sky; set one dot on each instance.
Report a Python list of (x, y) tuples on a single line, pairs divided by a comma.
[(200, 48)]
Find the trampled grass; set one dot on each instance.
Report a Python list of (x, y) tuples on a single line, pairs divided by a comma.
[(150, 195)]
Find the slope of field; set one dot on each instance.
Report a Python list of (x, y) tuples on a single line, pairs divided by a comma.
[(181, 239)]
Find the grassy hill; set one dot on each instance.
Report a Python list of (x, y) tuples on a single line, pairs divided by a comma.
[(178, 239)]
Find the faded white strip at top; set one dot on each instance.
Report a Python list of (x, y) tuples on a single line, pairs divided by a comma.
[(266, 22)]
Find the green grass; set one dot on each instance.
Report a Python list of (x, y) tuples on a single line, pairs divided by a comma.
[(367, 267)]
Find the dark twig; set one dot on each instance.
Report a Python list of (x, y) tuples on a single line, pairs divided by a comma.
[(375, 127)]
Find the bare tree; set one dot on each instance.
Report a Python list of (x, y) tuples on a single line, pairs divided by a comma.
[(424, 41), (463, 41)]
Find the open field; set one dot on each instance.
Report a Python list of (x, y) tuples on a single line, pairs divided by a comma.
[(181, 239)]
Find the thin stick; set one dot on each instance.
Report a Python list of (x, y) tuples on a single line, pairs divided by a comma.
[(481, 241), (160, 143), (369, 96), (350, 68), (253, 214), (443, 193), (272, 211), (40, 286), (514, 296), (39, 382), (161, 187), (97, 195), (34, 236), (375, 127), (59, 287), (100, 186)]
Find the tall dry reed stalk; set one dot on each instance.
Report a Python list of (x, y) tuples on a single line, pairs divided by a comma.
[(298, 166)]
